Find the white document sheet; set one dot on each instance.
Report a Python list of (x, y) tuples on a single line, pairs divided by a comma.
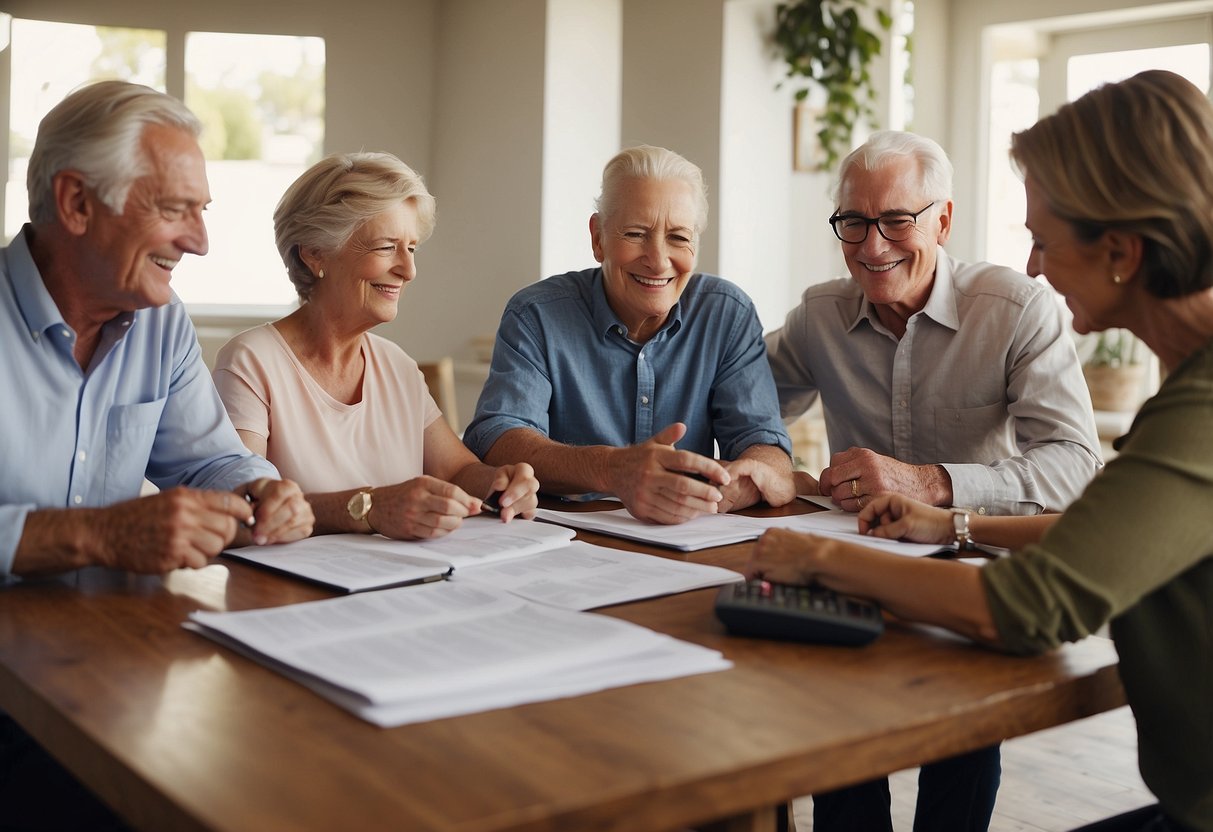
[(406, 654), (700, 533), (721, 529), (357, 562), (582, 576)]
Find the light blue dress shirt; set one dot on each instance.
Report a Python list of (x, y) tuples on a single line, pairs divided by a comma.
[(563, 366), (144, 407)]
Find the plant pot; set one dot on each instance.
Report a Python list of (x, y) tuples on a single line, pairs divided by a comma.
[(1115, 388)]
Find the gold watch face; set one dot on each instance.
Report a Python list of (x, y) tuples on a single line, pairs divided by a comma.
[(359, 505)]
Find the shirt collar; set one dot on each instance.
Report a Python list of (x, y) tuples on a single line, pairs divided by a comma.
[(34, 301), (605, 319), (941, 303)]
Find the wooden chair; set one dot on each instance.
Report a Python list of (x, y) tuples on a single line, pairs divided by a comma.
[(440, 378)]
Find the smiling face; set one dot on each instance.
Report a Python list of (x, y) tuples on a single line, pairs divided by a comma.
[(1079, 271), (647, 250), (898, 275), (363, 281), (137, 250)]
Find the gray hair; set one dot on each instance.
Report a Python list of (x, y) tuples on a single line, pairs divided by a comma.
[(97, 130), (649, 162), (324, 207), (934, 167)]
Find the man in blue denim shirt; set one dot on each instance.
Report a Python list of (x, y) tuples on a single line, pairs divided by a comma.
[(597, 374)]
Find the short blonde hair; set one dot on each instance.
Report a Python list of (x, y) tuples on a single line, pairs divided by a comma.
[(325, 206), (648, 162), (1136, 155)]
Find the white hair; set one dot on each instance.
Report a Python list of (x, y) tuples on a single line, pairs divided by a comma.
[(648, 162), (934, 167), (97, 130)]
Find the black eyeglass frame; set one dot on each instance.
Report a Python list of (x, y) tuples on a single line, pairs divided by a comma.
[(870, 221)]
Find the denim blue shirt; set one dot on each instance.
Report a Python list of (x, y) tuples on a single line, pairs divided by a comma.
[(144, 407), (563, 366)]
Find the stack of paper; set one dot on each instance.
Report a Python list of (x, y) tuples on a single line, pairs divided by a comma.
[(722, 529), (534, 560), (443, 649), (356, 562)]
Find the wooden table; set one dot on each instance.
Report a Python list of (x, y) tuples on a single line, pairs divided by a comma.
[(179, 734)]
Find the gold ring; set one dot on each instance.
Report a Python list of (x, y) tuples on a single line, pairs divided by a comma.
[(859, 501), (855, 489)]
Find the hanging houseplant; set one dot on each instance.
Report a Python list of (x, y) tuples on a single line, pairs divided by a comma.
[(825, 42)]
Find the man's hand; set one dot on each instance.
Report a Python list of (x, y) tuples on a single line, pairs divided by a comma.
[(857, 474), (755, 479), (420, 509), (663, 485), (280, 511), (519, 491), (180, 527)]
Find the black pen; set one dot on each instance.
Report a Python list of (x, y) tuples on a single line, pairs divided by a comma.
[(248, 498), (492, 503)]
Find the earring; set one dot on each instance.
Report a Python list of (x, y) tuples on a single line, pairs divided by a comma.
[(1115, 277), (320, 276)]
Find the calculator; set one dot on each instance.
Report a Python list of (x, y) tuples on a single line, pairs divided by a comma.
[(797, 613)]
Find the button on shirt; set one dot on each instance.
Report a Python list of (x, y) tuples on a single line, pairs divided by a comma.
[(563, 366), (144, 407), (985, 381)]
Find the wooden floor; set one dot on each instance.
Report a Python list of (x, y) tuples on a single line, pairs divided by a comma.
[(1052, 781)]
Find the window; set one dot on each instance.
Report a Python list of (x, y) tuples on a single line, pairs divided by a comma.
[(261, 101), (1034, 72)]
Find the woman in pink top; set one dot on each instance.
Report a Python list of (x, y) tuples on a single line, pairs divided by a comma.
[(342, 411)]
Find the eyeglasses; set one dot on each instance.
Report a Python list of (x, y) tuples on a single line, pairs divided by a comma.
[(852, 228)]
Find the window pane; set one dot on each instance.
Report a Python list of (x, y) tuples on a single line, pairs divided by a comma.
[(261, 101), (49, 60), (1086, 72)]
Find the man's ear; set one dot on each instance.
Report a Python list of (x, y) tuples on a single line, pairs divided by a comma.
[(1124, 251), (945, 223), (596, 236), (74, 207)]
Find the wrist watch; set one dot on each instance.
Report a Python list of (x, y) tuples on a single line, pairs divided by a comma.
[(960, 526), (359, 507)]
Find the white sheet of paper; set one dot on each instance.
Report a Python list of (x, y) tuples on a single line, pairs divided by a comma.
[(582, 576)]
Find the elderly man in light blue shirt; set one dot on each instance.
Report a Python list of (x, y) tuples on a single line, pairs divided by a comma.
[(597, 374), (105, 386), (106, 381)]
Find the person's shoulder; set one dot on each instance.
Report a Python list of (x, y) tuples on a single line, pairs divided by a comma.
[(252, 345), (993, 280), (711, 289), (575, 286), (388, 350)]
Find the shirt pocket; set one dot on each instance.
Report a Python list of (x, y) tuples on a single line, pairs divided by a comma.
[(973, 434), (129, 435)]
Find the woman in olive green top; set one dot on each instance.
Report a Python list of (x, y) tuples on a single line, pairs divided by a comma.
[(1120, 206)]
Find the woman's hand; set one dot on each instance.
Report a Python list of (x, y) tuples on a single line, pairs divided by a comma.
[(519, 491), (785, 557), (897, 517), (419, 509)]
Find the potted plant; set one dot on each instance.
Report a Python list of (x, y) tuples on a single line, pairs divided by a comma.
[(1114, 371), (825, 42)]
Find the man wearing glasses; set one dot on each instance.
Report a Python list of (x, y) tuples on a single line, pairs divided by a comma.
[(953, 383)]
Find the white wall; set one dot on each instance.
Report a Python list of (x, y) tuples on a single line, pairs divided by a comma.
[(581, 120)]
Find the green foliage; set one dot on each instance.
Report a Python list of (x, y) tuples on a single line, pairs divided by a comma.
[(825, 42), (230, 127), (129, 55), (1115, 348)]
